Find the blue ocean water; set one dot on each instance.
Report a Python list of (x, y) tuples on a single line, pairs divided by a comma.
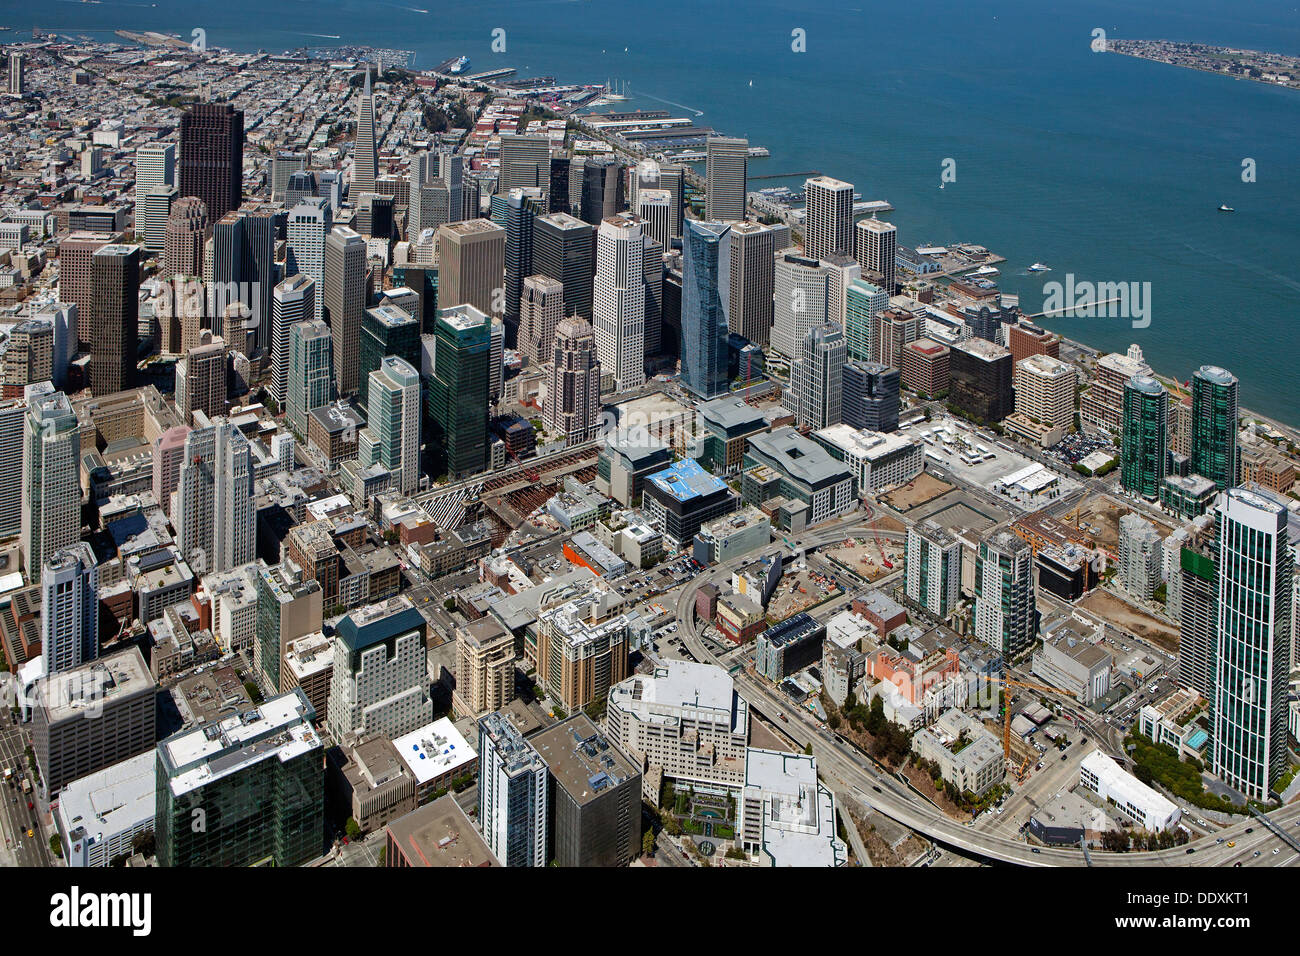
[(1100, 165)]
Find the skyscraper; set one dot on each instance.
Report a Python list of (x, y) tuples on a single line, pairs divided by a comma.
[(392, 434), (933, 568), (618, 301), (753, 275), (115, 335), (13, 416), (69, 608), (380, 681), (216, 514), (799, 302), (862, 303), (1249, 710), (76, 277), (155, 172), (212, 156), (187, 232), (51, 478), (653, 176), (201, 379), (1144, 441), (345, 297), (293, 301), (655, 207), (817, 378), (244, 270), (471, 265), (259, 777), (573, 386), (725, 165), (512, 794), (828, 228), (1214, 425), (1006, 613), (871, 396), (458, 392), (706, 287), (310, 378), (284, 164), (523, 206), (364, 159), (602, 189), (876, 249), (525, 163), (541, 309), (307, 229), (16, 74), (386, 330), (563, 249)]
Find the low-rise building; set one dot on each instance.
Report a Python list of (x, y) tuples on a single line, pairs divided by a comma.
[(740, 618), (1073, 661), (877, 461), (1141, 804), (100, 815), (790, 646), (436, 755), (969, 756), (438, 834), (374, 784)]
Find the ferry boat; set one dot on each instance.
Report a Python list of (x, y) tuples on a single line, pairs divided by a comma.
[(1226, 208), (460, 66), (985, 271), (1039, 267)]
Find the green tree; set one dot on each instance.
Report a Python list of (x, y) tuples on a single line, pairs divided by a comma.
[(648, 843), (352, 828)]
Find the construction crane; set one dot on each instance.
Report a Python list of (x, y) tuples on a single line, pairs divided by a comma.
[(871, 523), (1006, 713)]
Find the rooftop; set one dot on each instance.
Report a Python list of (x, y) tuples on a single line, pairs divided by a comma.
[(433, 750), (279, 728), (582, 759), (439, 834), (686, 479)]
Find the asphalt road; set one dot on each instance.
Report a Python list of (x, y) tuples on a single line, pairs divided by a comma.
[(16, 818), (850, 769)]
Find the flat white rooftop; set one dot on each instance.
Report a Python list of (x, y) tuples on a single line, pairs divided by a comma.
[(113, 800), (433, 750), (275, 728)]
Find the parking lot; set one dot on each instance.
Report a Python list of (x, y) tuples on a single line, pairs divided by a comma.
[(979, 458)]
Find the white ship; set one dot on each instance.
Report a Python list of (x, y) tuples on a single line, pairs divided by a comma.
[(1039, 267), (460, 66)]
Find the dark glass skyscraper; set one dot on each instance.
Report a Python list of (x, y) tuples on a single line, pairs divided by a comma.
[(115, 335), (706, 285), (386, 330), (458, 393), (523, 206), (564, 249), (212, 156), (243, 790), (1145, 441), (1214, 425), (871, 396)]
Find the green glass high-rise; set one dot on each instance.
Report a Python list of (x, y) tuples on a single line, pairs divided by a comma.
[(458, 392), (386, 330), (1145, 441), (1214, 425), (1253, 661), (863, 302), (243, 790)]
